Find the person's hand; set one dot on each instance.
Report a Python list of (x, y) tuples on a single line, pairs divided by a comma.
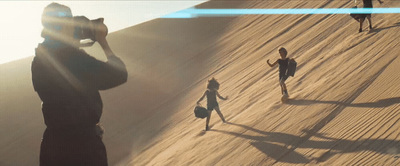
[(269, 64), (226, 98), (101, 29)]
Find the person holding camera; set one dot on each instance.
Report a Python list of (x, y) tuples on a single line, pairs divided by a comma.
[(68, 80)]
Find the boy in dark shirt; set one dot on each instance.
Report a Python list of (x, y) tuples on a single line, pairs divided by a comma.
[(283, 66)]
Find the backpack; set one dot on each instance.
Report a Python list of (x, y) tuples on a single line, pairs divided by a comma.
[(200, 112), (291, 67)]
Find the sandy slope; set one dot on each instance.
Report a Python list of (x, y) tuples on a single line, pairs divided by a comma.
[(343, 111)]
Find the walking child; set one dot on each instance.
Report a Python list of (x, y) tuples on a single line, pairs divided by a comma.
[(211, 93), (367, 4), (283, 68)]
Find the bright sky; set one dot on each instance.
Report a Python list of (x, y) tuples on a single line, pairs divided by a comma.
[(21, 26)]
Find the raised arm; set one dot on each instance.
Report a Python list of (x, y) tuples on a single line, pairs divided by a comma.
[(105, 75), (273, 64), (219, 96), (101, 33)]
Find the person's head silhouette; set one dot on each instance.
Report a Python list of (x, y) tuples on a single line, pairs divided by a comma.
[(58, 26)]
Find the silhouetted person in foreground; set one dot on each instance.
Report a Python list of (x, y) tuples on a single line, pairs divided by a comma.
[(68, 81), (211, 93), (367, 4)]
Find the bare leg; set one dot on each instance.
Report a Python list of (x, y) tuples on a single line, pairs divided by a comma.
[(208, 120), (361, 23), (283, 86), (369, 21), (220, 114)]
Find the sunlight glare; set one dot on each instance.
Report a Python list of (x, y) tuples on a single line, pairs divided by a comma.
[(21, 20), (20, 28)]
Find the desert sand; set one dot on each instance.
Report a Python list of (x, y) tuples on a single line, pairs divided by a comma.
[(344, 106)]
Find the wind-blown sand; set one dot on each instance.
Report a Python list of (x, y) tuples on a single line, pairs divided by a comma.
[(344, 107)]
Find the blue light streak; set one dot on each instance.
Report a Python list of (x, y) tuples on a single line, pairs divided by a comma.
[(193, 12)]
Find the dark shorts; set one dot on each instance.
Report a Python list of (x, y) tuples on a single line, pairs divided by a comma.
[(363, 15), (283, 78), (211, 106), (77, 148)]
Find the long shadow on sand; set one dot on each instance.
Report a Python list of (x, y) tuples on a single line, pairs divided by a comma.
[(282, 146), (384, 28), (376, 104)]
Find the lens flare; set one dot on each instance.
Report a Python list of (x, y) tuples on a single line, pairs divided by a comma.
[(194, 12)]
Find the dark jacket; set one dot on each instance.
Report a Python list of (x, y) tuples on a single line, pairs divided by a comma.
[(68, 82)]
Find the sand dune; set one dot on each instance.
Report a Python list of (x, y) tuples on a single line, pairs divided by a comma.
[(344, 97)]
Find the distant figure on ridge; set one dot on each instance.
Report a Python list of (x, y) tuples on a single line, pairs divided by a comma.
[(361, 17), (287, 68), (211, 93), (68, 80)]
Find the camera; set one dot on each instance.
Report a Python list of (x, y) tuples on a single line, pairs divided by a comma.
[(86, 28)]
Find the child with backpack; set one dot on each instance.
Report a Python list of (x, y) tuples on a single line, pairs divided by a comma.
[(212, 93), (283, 69)]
